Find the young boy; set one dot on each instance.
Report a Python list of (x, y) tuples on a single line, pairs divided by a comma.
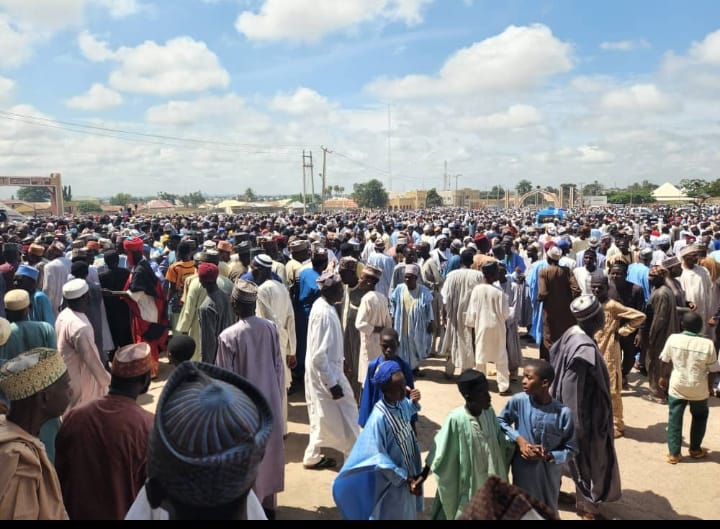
[(469, 448), (379, 480), (371, 393), (543, 430), (693, 361), (181, 347)]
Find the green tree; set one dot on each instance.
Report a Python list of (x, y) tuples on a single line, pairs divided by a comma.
[(697, 189), (627, 196), (433, 199), (168, 197), (297, 197), (593, 189), (371, 194), (339, 190), (88, 206), (524, 186), (193, 199), (34, 194), (249, 195), (121, 199), (67, 193)]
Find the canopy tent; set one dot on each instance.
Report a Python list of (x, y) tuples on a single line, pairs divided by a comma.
[(669, 193)]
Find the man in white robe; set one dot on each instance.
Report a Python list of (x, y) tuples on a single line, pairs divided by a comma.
[(373, 316), (487, 313), (274, 304), (55, 275), (332, 410), (695, 281), (457, 345)]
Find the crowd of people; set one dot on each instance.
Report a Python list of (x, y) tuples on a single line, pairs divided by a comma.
[(344, 307)]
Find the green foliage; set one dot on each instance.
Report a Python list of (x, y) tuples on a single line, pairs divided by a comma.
[(67, 193), (371, 194), (630, 197), (524, 186), (169, 197), (249, 195), (496, 193), (299, 198), (193, 199), (593, 189), (121, 199), (694, 187), (433, 199), (87, 206), (34, 194)]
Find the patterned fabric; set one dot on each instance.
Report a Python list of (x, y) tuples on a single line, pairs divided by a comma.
[(31, 372)]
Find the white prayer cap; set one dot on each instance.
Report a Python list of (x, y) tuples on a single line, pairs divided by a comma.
[(263, 260), (74, 289)]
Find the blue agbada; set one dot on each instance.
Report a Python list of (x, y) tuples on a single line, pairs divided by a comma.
[(536, 329), (415, 340), (373, 482), (371, 392)]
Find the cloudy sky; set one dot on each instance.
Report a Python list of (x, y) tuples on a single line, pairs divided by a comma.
[(143, 96)]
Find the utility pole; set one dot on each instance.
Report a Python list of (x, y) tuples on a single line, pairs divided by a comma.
[(445, 178), (456, 189), (324, 178), (389, 150), (307, 169)]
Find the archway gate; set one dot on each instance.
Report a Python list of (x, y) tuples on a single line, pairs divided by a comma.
[(52, 182)]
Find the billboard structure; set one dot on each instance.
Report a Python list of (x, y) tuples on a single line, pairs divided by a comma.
[(52, 182)]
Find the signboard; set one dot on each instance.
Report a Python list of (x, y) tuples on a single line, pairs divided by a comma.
[(23, 181), (589, 201)]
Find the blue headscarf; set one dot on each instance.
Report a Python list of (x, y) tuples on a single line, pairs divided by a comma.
[(385, 371)]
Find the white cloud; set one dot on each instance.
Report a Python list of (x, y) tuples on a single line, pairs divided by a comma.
[(707, 51), (15, 44), (7, 86), (92, 49), (625, 45), (184, 113), (54, 15), (516, 117), (311, 20), (517, 59), (99, 97), (303, 101), (638, 98), (592, 154), (180, 65)]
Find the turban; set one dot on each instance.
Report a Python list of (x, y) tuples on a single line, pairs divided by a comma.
[(469, 379), (31, 372), (328, 279), (132, 360), (585, 307), (210, 432), (244, 292), (207, 272), (134, 244), (348, 263), (263, 260), (28, 271), (384, 372), (74, 289), (412, 269), (17, 299)]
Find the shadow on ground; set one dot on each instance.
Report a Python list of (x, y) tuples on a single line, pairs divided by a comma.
[(295, 513)]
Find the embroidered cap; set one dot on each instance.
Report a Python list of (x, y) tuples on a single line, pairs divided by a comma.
[(132, 360), (31, 372)]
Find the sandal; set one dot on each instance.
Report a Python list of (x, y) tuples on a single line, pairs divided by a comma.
[(325, 462), (673, 460), (699, 454)]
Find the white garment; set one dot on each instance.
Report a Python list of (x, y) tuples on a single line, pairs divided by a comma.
[(55, 275), (698, 289), (372, 312), (487, 313), (567, 262), (457, 346), (333, 423), (274, 304), (141, 510), (582, 276)]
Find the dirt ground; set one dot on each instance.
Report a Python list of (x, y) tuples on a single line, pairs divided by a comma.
[(652, 488)]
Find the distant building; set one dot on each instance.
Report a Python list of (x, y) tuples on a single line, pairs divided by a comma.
[(340, 203), (669, 193), (462, 198), (407, 200)]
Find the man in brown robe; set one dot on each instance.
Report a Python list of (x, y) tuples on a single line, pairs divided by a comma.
[(557, 288), (101, 448), (663, 319)]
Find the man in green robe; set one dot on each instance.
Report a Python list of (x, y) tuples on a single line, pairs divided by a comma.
[(469, 448)]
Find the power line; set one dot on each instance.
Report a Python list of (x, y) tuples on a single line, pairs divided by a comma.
[(144, 134)]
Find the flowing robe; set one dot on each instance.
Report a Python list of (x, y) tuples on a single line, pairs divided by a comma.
[(458, 346), (372, 312), (412, 313)]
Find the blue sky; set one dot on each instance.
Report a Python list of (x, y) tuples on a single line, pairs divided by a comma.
[(222, 95)]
